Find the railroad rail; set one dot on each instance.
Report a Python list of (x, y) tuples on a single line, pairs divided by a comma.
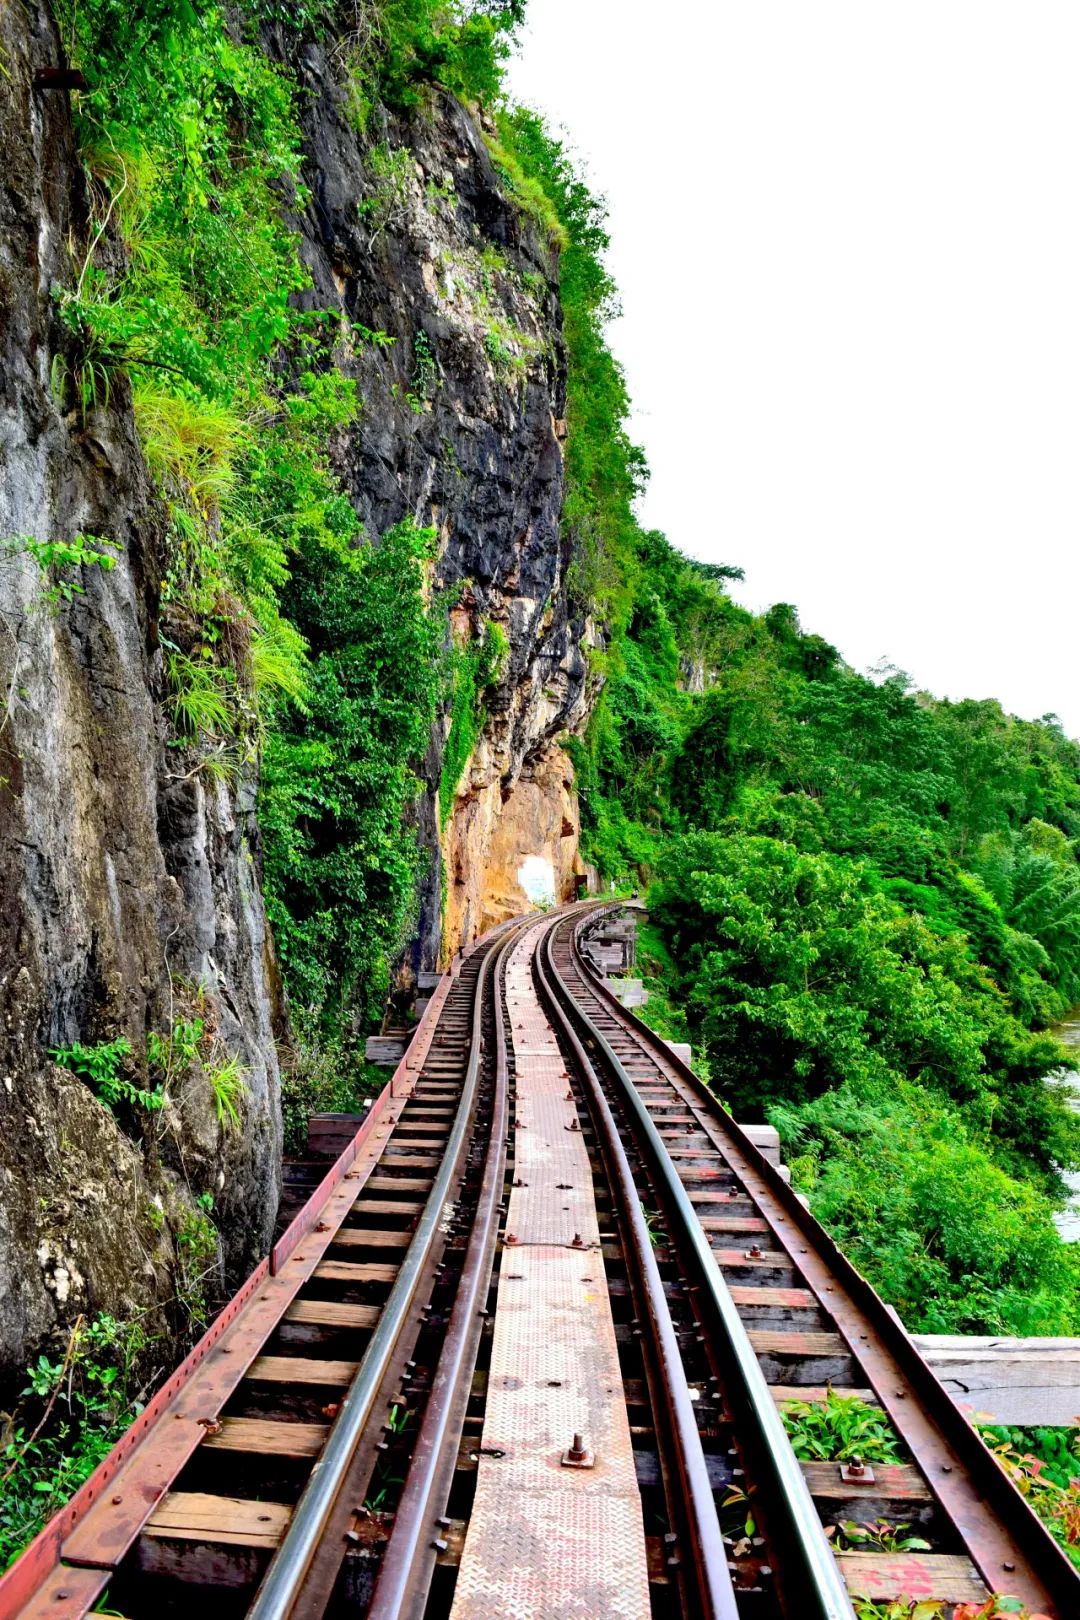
[(782, 1314), (372, 1425)]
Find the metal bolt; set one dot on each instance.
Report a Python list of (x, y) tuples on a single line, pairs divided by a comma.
[(117, 1501), (578, 1455), (1008, 1568), (753, 1252), (439, 1544), (577, 1243), (510, 1238)]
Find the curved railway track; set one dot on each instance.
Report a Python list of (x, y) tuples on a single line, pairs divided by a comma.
[(323, 1448), (782, 1314)]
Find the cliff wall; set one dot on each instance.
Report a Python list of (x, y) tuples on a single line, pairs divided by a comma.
[(410, 231), (129, 877), (128, 886)]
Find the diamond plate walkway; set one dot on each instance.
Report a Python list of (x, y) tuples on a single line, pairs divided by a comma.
[(546, 1540)]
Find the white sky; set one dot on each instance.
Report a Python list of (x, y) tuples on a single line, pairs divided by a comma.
[(848, 244)]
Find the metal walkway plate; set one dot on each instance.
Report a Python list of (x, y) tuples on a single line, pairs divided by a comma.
[(546, 1540)]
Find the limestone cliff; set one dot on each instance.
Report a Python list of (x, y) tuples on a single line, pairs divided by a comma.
[(128, 885), (129, 878), (410, 232)]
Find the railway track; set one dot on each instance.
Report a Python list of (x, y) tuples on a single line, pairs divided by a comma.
[(778, 1313), (400, 1415)]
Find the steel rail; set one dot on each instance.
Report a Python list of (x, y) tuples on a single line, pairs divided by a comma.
[(284, 1577), (712, 1578), (993, 1520), (405, 1569), (809, 1564)]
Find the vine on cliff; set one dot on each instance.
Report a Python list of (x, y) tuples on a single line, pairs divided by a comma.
[(284, 626)]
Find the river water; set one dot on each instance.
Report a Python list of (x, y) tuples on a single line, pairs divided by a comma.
[(1068, 1219)]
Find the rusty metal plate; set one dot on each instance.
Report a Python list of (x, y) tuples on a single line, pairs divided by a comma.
[(545, 1539)]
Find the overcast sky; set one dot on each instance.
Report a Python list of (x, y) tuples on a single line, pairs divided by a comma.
[(847, 237)]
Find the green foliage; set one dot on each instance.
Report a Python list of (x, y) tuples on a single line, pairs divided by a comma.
[(56, 559), (839, 1428), (197, 1264), (879, 1535), (425, 375), (864, 906), (341, 861), (323, 1078), (473, 669), (393, 175), (284, 627), (68, 1417), (172, 1055), (999, 1606), (229, 1088), (416, 44), (912, 1189), (101, 1066), (1044, 1465), (1052, 1452), (605, 471)]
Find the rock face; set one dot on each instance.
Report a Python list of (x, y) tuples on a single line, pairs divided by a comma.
[(527, 835), (410, 232), (129, 883), (128, 890)]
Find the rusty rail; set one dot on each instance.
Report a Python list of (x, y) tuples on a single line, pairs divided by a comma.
[(1008, 1545), (714, 1593), (54, 1576), (406, 1566), (813, 1570)]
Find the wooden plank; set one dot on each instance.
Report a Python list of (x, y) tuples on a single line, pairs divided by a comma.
[(409, 1161), (231, 1521), (767, 1342), (795, 1299), (359, 1237), (333, 1313), (1019, 1381), (402, 1139), (302, 1370), (397, 1183), (267, 1437), (732, 1223), (388, 1206), (349, 1271), (884, 1577), (894, 1480), (386, 1051)]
